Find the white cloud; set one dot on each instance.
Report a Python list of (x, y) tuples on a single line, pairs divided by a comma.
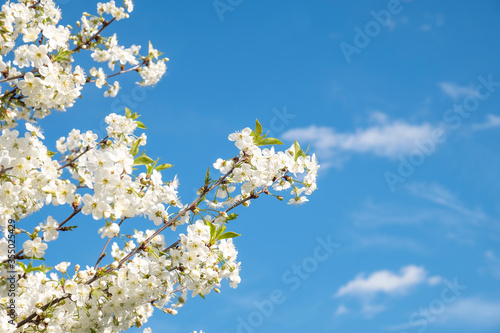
[(384, 281), (472, 312), (455, 91), (491, 121), (384, 138)]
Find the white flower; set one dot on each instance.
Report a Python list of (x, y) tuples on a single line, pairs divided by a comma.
[(109, 230), (62, 267), (50, 229), (243, 139), (34, 248), (35, 130), (297, 200)]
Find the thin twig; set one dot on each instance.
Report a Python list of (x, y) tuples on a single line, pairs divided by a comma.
[(102, 255), (18, 254), (104, 25), (70, 162)]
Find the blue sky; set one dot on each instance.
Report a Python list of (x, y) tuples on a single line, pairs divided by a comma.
[(403, 233)]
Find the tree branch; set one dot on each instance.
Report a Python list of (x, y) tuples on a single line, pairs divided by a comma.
[(94, 36), (82, 153)]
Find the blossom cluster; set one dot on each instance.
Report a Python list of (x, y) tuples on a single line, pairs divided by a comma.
[(106, 168), (29, 177), (118, 301), (144, 272), (36, 56)]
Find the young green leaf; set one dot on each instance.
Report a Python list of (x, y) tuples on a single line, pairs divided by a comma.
[(163, 166), (143, 159), (220, 231), (269, 141), (258, 129), (228, 234), (140, 124), (231, 217), (207, 176), (134, 150), (63, 55)]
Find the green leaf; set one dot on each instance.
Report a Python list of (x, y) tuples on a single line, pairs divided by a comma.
[(30, 268), (50, 153), (220, 231), (131, 115), (141, 160), (63, 55), (232, 216), (140, 124), (228, 234), (41, 268), (23, 266), (134, 150), (269, 141), (213, 230), (258, 129), (296, 146), (298, 152), (163, 166), (207, 176)]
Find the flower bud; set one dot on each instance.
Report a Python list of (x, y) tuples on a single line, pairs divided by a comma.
[(171, 311)]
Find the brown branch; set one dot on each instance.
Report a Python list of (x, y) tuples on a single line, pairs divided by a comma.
[(70, 162), (95, 36), (122, 71), (18, 254), (5, 170), (35, 4)]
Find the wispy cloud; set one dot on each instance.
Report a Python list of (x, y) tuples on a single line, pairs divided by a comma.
[(456, 91), (384, 281), (341, 310), (360, 242), (473, 313), (441, 196), (384, 138), (491, 121), (493, 263)]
